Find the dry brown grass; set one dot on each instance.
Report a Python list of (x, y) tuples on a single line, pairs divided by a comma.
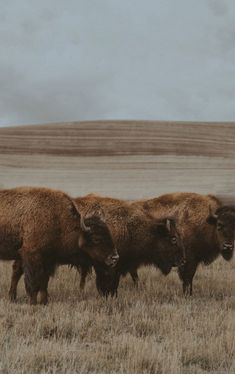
[(153, 329)]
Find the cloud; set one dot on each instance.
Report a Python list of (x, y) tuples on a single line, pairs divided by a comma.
[(62, 61), (219, 7)]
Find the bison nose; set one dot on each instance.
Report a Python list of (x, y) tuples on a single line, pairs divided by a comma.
[(228, 246), (112, 260), (115, 259)]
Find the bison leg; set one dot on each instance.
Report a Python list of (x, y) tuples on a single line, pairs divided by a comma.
[(17, 272), (186, 274), (84, 271), (83, 280), (32, 293), (43, 290), (43, 297), (134, 276), (34, 274)]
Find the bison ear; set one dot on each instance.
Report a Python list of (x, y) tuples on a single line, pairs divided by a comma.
[(160, 228), (212, 218), (74, 210), (82, 240)]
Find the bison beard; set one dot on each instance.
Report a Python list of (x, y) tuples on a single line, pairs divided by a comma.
[(107, 281)]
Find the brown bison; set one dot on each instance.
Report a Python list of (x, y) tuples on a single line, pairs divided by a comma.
[(139, 239), (205, 235), (42, 228)]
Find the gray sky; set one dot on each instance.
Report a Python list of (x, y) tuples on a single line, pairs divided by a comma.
[(107, 59)]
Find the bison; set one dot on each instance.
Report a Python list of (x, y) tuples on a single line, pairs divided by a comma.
[(206, 227), (139, 239), (42, 228)]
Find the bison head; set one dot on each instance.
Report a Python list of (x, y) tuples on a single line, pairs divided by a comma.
[(96, 240), (173, 251), (224, 221)]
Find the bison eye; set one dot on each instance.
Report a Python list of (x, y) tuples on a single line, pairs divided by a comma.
[(173, 240), (96, 241)]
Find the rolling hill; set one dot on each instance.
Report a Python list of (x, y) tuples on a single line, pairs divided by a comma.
[(129, 159)]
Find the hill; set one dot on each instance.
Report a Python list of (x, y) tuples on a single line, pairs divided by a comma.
[(128, 159)]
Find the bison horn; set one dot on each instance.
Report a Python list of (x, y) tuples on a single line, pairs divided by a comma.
[(83, 226), (168, 224), (101, 215)]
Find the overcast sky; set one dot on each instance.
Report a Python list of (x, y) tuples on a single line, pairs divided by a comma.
[(108, 59)]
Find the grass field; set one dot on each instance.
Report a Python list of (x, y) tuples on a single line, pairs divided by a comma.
[(152, 329)]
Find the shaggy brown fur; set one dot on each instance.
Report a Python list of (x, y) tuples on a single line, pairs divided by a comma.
[(139, 239), (204, 236), (41, 228)]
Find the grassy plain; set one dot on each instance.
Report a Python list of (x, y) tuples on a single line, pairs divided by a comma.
[(152, 329)]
